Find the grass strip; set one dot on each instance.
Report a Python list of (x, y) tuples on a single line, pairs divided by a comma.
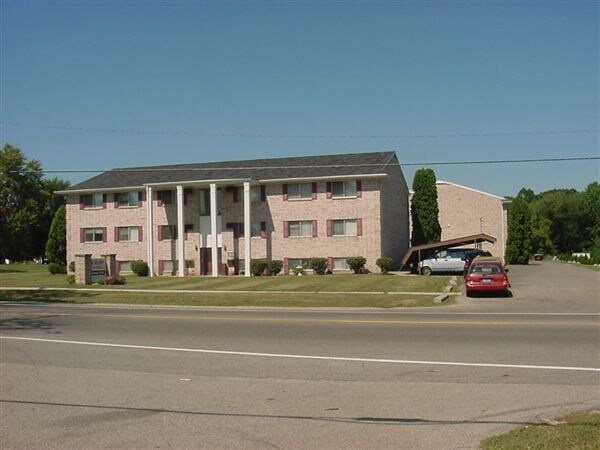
[(293, 299), (577, 431)]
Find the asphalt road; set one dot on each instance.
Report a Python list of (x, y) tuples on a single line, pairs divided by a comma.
[(116, 377)]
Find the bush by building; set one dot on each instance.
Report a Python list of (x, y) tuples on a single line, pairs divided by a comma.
[(140, 268), (356, 263), (385, 264), (318, 265)]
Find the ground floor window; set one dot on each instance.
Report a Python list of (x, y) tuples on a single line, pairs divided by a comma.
[(124, 266), (299, 262), (340, 264)]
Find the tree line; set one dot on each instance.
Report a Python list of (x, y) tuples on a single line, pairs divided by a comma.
[(555, 222), (28, 206)]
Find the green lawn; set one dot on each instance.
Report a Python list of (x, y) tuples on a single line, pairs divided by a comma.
[(578, 431), (336, 291)]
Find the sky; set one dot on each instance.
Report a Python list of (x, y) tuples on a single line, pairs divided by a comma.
[(93, 85)]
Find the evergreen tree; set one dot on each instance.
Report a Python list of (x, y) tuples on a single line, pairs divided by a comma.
[(424, 208), (518, 243), (56, 246)]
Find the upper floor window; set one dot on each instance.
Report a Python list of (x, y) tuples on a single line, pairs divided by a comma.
[(343, 189), (301, 228), (169, 232), (344, 227), (93, 235), (93, 201), (165, 197), (125, 199), (299, 191), (128, 234)]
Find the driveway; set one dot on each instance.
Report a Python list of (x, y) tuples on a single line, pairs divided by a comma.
[(543, 287)]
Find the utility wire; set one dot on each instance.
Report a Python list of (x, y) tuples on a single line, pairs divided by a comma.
[(439, 163), (299, 136)]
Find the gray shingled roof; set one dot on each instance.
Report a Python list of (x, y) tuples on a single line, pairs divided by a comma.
[(257, 169)]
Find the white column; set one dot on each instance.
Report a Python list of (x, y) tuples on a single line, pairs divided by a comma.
[(180, 233), (149, 231), (213, 230), (247, 229)]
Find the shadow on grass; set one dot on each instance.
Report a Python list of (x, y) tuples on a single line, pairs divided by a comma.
[(46, 296), (10, 270)]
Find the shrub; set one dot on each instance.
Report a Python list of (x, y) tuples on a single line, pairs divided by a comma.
[(57, 268), (385, 264), (258, 267), (319, 265), (356, 263), (274, 266), (72, 266), (111, 280), (140, 268), (71, 279)]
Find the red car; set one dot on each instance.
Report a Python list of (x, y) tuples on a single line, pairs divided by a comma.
[(486, 274)]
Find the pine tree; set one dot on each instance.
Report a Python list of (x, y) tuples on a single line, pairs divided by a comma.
[(56, 246), (518, 243), (424, 208)]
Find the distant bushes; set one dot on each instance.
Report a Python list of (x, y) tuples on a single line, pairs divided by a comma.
[(586, 260)]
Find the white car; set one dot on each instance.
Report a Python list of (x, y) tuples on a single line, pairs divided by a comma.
[(447, 260)]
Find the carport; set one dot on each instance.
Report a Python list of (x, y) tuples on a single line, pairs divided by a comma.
[(414, 254)]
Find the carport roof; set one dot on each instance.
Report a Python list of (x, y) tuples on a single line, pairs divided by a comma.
[(412, 252)]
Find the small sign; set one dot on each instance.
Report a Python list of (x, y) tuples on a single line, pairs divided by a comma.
[(98, 268)]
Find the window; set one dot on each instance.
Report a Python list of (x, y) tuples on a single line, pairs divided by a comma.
[(128, 234), (255, 193), (93, 201), (124, 266), (299, 191), (93, 235), (128, 199), (300, 228), (343, 189), (299, 262), (205, 204), (169, 232), (255, 229), (165, 197), (340, 264), (345, 227), (169, 267)]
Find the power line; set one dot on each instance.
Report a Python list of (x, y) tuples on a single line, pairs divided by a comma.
[(438, 163), (298, 136)]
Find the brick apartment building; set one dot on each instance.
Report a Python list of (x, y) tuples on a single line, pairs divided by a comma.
[(464, 211), (182, 218)]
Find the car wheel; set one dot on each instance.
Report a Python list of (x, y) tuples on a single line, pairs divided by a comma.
[(467, 293), (426, 271)]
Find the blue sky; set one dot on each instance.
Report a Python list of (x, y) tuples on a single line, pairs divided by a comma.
[(94, 85)]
